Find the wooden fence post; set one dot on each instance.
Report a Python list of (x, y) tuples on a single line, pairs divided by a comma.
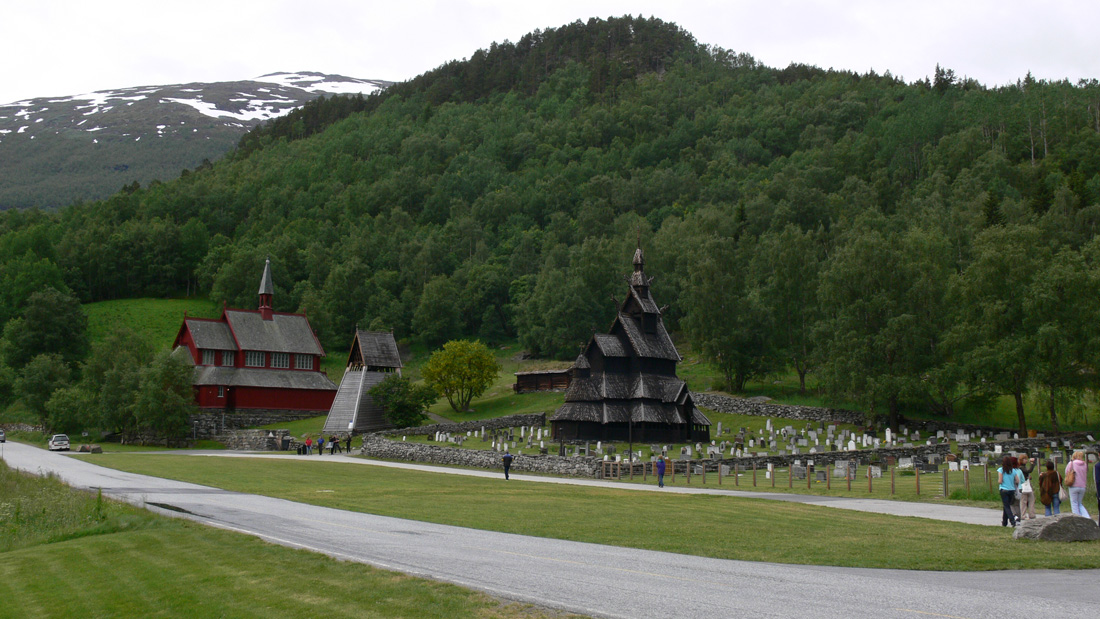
[(736, 475), (848, 476), (790, 476), (917, 470), (966, 481), (754, 473), (870, 489), (945, 482), (773, 471), (828, 477), (892, 479)]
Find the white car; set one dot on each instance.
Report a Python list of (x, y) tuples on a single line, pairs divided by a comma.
[(58, 442)]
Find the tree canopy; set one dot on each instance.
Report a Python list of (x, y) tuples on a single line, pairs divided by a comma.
[(846, 226)]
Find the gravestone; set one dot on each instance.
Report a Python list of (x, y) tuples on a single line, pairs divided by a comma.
[(875, 471), (798, 472)]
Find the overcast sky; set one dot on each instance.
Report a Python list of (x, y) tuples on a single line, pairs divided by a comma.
[(64, 47)]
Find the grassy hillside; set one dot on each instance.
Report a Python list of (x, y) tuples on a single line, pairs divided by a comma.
[(155, 320)]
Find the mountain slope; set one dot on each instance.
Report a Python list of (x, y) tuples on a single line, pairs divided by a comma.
[(58, 150)]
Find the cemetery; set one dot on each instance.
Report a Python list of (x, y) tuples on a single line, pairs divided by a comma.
[(747, 452)]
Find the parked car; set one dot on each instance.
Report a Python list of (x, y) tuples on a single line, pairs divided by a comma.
[(3, 437), (59, 442)]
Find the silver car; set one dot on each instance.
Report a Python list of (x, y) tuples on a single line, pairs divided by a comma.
[(59, 442)]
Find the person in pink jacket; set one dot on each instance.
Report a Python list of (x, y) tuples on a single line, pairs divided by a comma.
[(1080, 479)]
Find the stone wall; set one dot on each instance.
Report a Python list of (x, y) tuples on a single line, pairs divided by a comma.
[(749, 406), (21, 427), (376, 446), (210, 424), (253, 440), (537, 420)]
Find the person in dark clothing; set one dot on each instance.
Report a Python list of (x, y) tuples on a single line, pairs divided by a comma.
[(507, 460), (1096, 478), (660, 472), (347, 444), (334, 445)]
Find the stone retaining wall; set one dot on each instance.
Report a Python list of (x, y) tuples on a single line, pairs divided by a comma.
[(253, 440), (21, 427), (210, 424), (748, 406), (376, 446), (537, 420)]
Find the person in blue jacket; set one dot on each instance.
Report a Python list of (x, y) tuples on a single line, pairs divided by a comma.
[(660, 472)]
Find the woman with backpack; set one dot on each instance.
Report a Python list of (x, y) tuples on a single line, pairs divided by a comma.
[(1076, 477), (1050, 486), (1009, 481)]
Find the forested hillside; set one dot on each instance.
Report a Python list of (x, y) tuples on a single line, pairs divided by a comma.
[(910, 245)]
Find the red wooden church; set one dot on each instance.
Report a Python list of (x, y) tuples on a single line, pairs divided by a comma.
[(259, 360)]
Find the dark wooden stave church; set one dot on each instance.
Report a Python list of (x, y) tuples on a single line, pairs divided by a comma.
[(624, 383)]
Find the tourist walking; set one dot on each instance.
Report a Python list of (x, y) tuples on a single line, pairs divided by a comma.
[(320, 445), (1096, 479), (1076, 477), (333, 445), (309, 446), (507, 460), (1050, 487), (347, 443), (660, 472), (1008, 480), (1025, 509)]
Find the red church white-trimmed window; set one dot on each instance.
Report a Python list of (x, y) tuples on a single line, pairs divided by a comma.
[(280, 360), (221, 392), (208, 357), (227, 358), (303, 362), (254, 359)]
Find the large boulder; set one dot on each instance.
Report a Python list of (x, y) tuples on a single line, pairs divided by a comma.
[(1059, 528)]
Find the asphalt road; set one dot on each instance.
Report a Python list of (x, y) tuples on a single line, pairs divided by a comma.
[(597, 580)]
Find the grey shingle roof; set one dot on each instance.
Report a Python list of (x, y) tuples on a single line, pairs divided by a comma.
[(283, 333), (379, 349), (210, 334), (610, 345), (645, 301), (657, 345), (270, 379)]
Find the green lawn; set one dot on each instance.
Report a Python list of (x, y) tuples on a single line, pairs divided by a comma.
[(66, 553), (711, 526)]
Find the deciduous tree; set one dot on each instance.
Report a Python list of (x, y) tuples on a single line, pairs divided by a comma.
[(461, 371)]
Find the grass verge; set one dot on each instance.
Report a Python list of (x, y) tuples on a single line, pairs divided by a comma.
[(65, 560), (711, 526)]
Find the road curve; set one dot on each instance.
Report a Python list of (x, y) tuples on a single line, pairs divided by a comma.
[(603, 581)]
